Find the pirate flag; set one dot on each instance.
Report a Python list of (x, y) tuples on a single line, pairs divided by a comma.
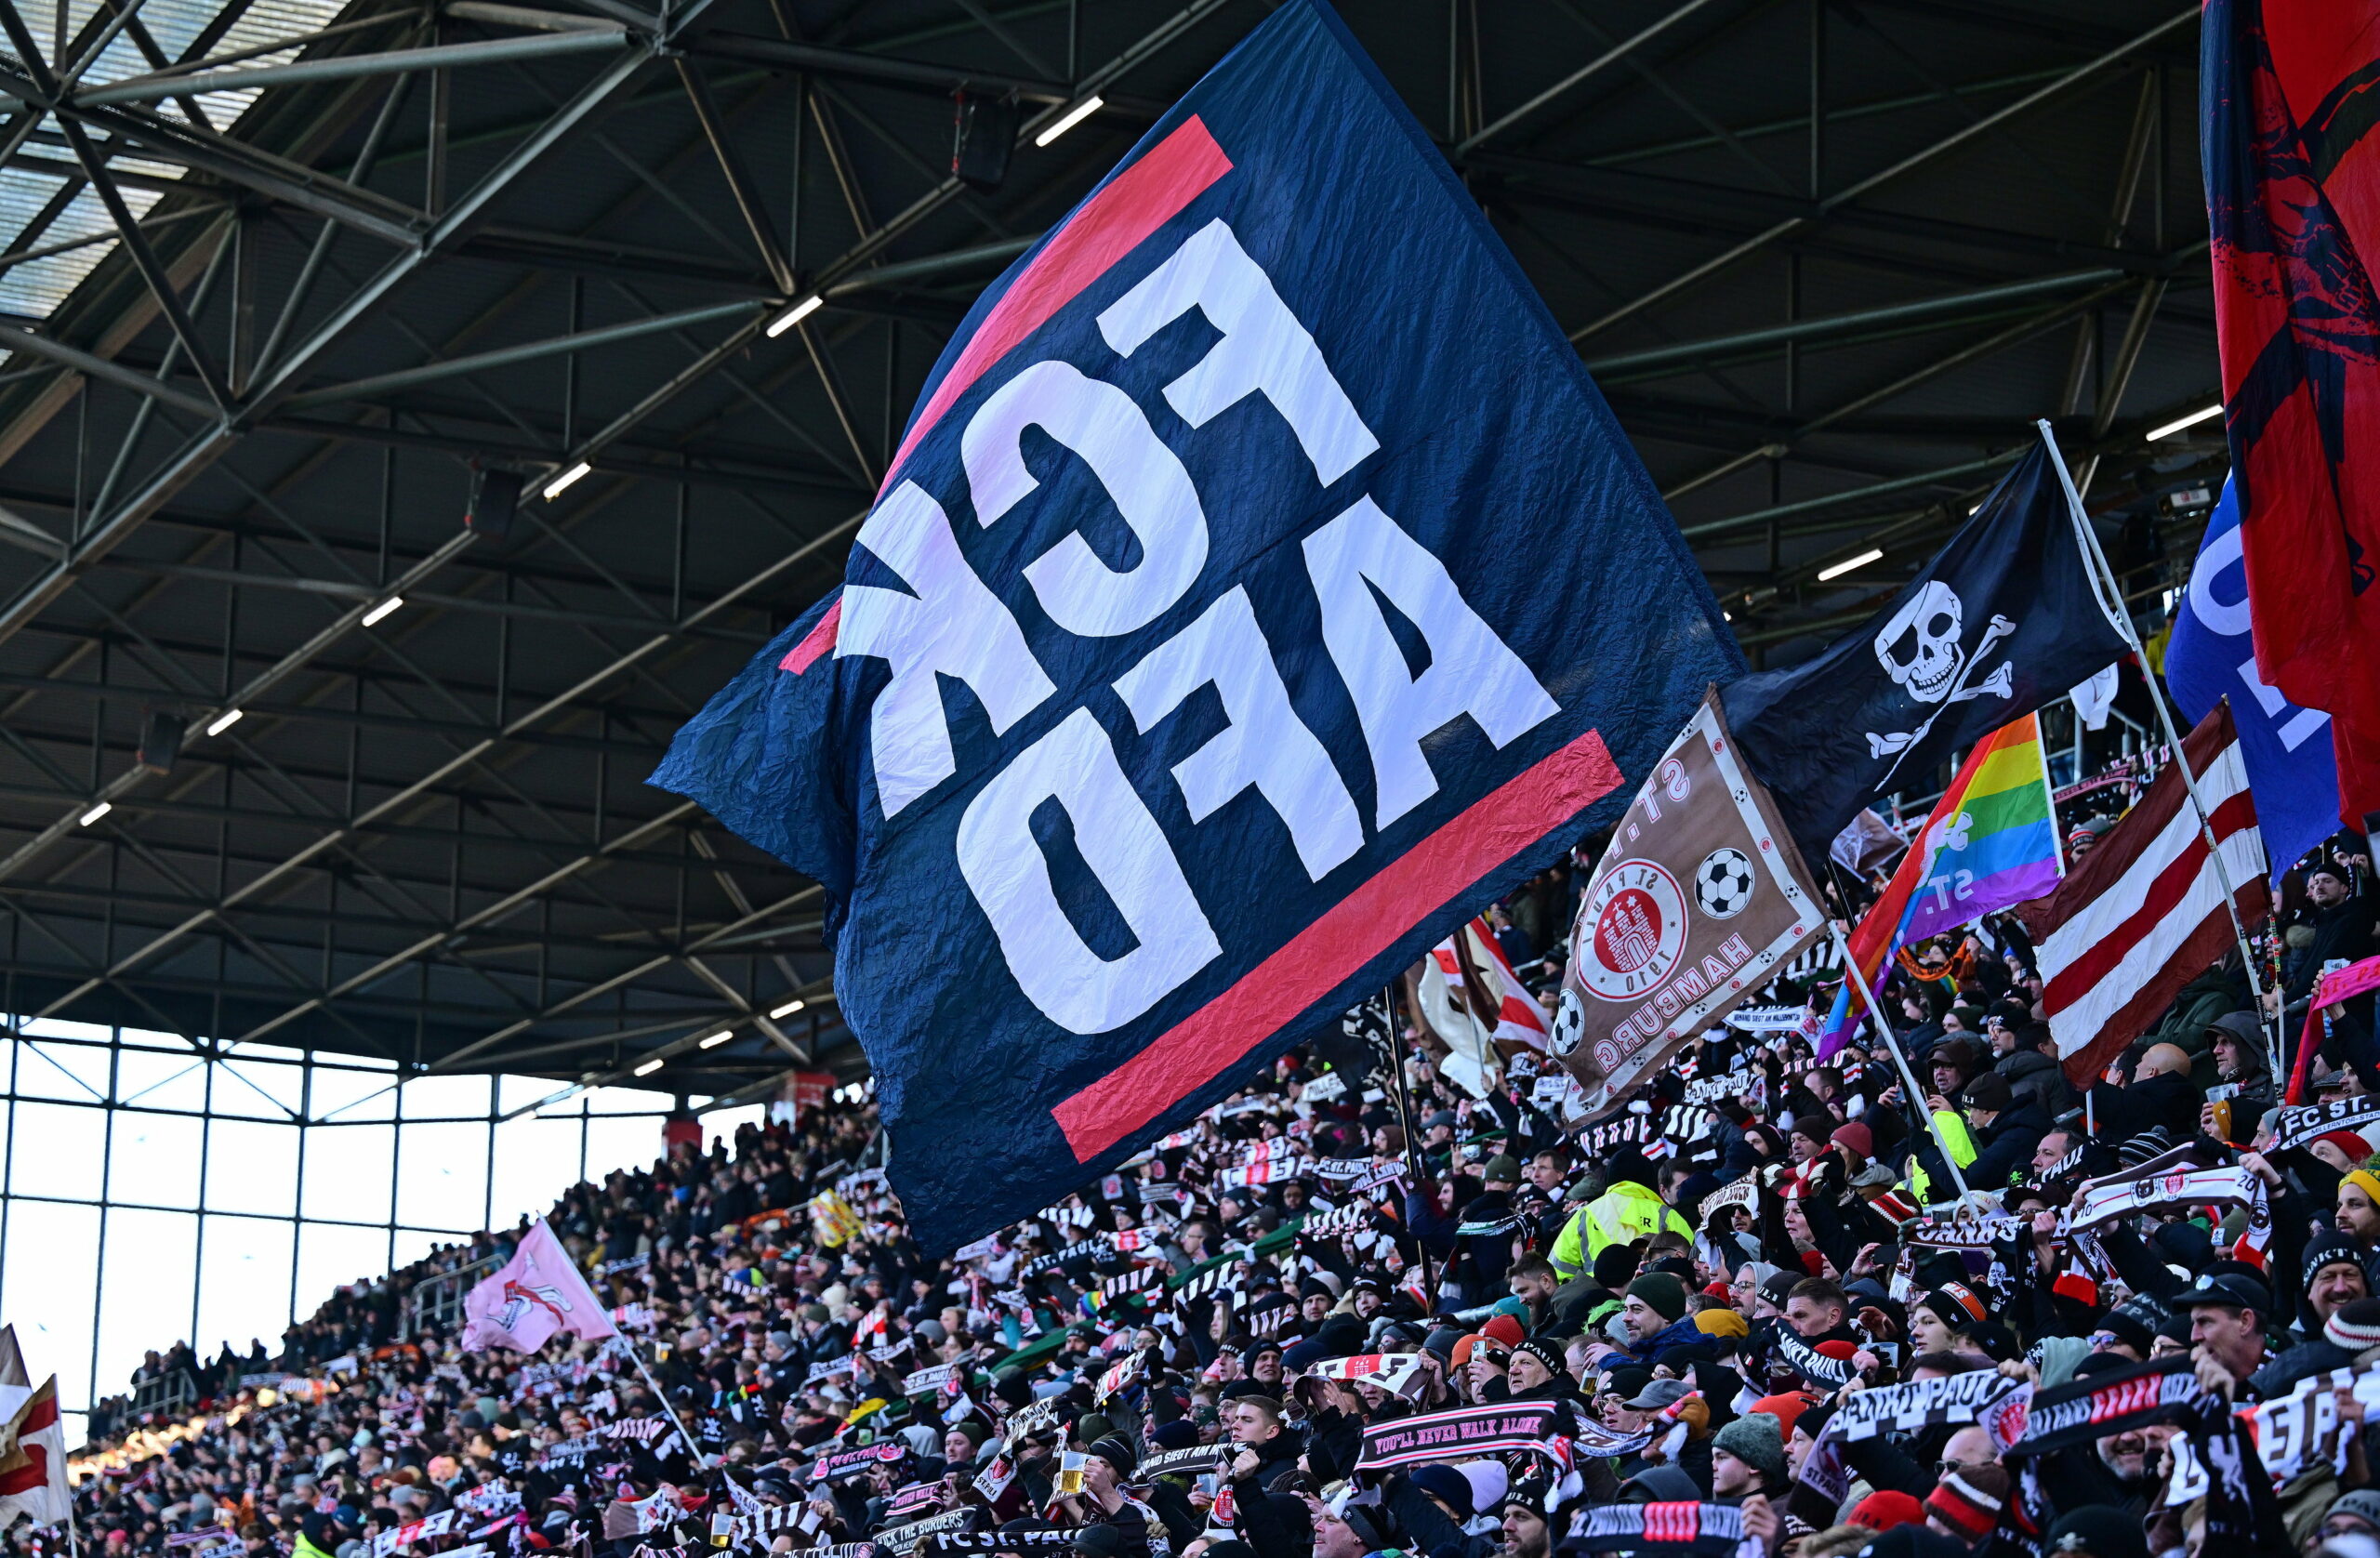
[(2002, 620), (1699, 900)]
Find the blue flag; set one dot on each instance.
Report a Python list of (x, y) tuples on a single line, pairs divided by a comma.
[(2292, 770), (1261, 586)]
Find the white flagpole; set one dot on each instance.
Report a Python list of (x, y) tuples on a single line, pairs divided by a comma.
[(1917, 1095), (2104, 577)]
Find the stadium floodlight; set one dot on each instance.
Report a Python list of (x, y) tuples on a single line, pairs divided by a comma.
[(1848, 564), (2192, 420), (1069, 119)]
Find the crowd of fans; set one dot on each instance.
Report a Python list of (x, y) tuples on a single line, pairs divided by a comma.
[(1750, 1308)]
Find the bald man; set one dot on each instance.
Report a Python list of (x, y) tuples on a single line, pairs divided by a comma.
[(2162, 1092)]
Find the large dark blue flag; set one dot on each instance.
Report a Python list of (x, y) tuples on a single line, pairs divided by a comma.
[(1260, 587), (2004, 619), (2291, 769)]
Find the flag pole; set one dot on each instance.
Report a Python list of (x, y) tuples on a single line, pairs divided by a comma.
[(2104, 577), (1853, 976), (694, 1446), (1401, 1097)]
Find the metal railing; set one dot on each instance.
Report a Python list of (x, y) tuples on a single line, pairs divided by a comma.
[(437, 1301)]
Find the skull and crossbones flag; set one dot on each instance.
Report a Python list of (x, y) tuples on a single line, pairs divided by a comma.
[(2002, 620)]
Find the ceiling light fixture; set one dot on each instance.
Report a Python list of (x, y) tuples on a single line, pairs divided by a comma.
[(715, 1040), (788, 1009), (225, 721), (649, 1067), (96, 813), (382, 612), (795, 315), (1848, 564), (2192, 420), (1072, 117), (561, 484)]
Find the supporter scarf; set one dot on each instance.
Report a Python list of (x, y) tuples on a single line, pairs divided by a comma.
[(2176, 1179), (1962, 1232), (2159, 1391), (1594, 1439), (1978, 1396), (2300, 1123), (2292, 1430), (1193, 1459), (904, 1538), (1397, 1373), (1813, 1365), (1463, 1433), (997, 1542), (1622, 1130), (1711, 1530), (844, 1462), (2243, 1511)]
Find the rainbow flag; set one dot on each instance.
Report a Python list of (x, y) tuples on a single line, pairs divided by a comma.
[(1991, 841)]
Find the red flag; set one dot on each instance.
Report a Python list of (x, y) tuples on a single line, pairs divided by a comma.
[(2142, 914), (2292, 196)]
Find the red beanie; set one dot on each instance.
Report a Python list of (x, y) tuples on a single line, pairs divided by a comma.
[(1505, 1331), (1839, 1350), (1785, 1408), (1858, 1137), (1970, 1500), (1882, 1511)]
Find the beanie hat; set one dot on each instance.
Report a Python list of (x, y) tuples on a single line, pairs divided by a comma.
[(1545, 1353), (2330, 1247), (1179, 1434), (1500, 1169), (1662, 1292), (1785, 1408), (2355, 1148), (1614, 1265), (1856, 1138), (1885, 1509), (1969, 1500), (1956, 1304), (2356, 1326), (1505, 1331), (1989, 1092), (2364, 1180), (1755, 1440), (1445, 1485), (1721, 1321), (2364, 1503), (1118, 1451), (1780, 1285)]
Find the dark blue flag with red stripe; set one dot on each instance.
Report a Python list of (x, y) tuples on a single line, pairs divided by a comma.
[(1260, 589)]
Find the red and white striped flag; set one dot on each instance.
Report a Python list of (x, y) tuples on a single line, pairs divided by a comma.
[(2142, 914)]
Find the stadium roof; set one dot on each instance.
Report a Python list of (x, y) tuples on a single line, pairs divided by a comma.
[(279, 271)]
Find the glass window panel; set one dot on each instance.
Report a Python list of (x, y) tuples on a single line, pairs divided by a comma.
[(348, 1170), (353, 1095), (252, 1168), (144, 1292), (48, 1278), (445, 1098), (162, 1081), (413, 1244), (441, 1175), (152, 1039), (54, 1027), (268, 1052), (624, 1101), (152, 1158), (57, 1150), (62, 1071), (724, 1123), (260, 1089), (520, 1093), (329, 1256), (536, 1161), (618, 1143), (243, 1283)]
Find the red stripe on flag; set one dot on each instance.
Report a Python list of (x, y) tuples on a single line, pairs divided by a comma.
[(1349, 934), (2233, 814), (1110, 225), (814, 643)]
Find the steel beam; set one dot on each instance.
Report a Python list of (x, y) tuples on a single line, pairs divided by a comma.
[(1792, 226), (347, 67)]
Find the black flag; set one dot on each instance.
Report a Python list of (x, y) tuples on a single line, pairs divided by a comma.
[(2002, 620)]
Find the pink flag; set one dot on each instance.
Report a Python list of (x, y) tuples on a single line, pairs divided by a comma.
[(537, 1293)]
